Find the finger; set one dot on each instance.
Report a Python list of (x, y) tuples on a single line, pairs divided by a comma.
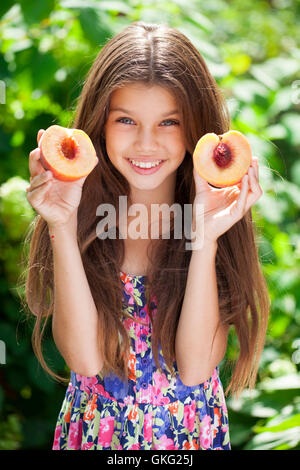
[(254, 186), (39, 180), (200, 183), (37, 196), (39, 135), (255, 166), (241, 200), (35, 166), (252, 179)]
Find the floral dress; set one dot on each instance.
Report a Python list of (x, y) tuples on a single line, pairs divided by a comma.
[(152, 410)]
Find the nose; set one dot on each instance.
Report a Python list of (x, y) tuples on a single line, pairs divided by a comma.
[(146, 141)]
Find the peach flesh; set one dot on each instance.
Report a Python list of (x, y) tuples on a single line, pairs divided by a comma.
[(222, 160), (68, 153)]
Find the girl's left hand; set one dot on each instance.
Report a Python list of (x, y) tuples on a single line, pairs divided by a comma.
[(223, 207)]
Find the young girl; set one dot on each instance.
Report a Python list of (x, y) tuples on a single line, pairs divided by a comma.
[(143, 323)]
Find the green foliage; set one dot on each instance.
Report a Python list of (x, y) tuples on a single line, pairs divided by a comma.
[(252, 49)]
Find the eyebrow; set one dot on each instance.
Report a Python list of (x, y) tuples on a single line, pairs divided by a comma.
[(126, 111)]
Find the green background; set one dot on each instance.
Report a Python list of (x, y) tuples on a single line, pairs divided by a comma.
[(252, 49)]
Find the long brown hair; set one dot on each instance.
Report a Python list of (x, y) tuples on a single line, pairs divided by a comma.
[(161, 55)]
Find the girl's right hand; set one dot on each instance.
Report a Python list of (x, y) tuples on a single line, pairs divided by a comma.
[(56, 201)]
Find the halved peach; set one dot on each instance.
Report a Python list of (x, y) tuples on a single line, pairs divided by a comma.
[(68, 153), (222, 160)]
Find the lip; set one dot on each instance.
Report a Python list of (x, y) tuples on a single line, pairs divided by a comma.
[(146, 171)]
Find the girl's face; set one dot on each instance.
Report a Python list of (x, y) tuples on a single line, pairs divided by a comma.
[(144, 125)]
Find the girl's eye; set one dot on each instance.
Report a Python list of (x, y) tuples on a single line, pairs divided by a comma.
[(122, 119), (128, 119), (172, 122)]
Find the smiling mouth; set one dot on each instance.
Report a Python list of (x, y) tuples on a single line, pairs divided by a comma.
[(145, 167), (145, 163)]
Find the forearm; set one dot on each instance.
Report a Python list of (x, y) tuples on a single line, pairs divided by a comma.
[(75, 318), (199, 345)]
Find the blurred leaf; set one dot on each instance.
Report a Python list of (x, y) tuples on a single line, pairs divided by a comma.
[(121, 7), (261, 73), (209, 50), (281, 367), (285, 423), (10, 433), (292, 122), (34, 12), (295, 173), (281, 67), (272, 440), (38, 376), (199, 20), (5, 5), (15, 210), (282, 101), (292, 191), (94, 26), (44, 67), (276, 132), (239, 63), (279, 325), (281, 244), (271, 209), (118, 6), (271, 72), (284, 382)]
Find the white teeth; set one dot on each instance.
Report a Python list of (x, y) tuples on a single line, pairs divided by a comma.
[(146, 164)]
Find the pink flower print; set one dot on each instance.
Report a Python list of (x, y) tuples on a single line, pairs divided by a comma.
[(128, 323), (56, 438), (205, 433), (106, 430), (129, 290), (75, 434), (128, 400), (165, 443), (215, 382), (136, 446), (160, 382), (99, 389), (225, 428), (146, 394), (148, 426), (223, 402), (86, 383), (141, 339), (189, 415), (87, 445)]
